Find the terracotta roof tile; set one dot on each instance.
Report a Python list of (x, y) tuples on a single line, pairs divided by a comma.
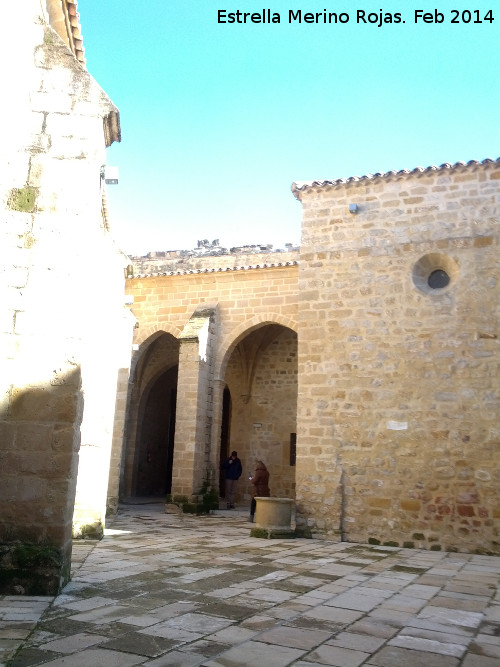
[(73, 19), (220, 270), (299, 186)]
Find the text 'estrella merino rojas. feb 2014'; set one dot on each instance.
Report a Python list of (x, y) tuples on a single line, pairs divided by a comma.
[(299, 16)]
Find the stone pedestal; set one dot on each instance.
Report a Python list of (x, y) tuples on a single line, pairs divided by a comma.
[(273, 518)]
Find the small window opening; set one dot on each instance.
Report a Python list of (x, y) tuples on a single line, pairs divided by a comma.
[(293, 448), (438, 279)]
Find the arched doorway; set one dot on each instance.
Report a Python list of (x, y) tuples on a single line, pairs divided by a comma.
[(155, 449), (261, 378), (150, 425)]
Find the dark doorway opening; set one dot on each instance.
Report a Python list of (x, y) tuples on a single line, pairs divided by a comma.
[(157, 432), (224, 438)]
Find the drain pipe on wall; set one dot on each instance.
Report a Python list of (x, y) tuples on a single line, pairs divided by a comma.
[(342, 506)]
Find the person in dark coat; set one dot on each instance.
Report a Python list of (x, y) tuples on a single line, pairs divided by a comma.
[(260, 481), (232, 470)]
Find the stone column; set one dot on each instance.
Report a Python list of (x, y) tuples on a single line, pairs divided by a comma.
[(215, 438), (192, 459), (105, 378), (133, 393)]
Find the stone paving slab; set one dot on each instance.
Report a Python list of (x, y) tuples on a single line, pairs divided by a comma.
[(170, 590)]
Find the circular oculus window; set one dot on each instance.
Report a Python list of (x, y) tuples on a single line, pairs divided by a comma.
[(433, 273)]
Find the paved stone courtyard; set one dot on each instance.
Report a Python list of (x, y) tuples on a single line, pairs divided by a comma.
[(177, 590)]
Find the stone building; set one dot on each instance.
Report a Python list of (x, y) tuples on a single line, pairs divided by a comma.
[(362, 367), (363, 370), (65, 332), (398, 417)]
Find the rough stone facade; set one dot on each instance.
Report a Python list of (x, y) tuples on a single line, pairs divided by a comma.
[(398, 417), (58, 372)]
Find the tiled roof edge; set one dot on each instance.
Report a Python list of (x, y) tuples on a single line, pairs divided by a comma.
[(75, 29), (213, 270), (300, 186)]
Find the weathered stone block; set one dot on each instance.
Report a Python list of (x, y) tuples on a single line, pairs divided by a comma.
[(52, 404), (411, 505)]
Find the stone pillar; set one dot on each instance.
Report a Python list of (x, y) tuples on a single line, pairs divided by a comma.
[(133, 390), (105, 378), (116, 464), (215, 438), (192, 459)]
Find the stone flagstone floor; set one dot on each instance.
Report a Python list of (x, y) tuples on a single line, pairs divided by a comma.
[(177, 590)]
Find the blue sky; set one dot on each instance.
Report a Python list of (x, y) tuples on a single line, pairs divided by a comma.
[(219, 119)]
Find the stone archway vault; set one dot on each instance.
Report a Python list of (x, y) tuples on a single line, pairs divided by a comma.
[(150, 420)]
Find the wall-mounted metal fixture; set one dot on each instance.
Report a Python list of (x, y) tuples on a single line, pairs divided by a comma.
[(353, 208), (109, 174)]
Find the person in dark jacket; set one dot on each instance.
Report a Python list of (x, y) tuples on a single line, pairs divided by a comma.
[(232, 470), (260, 481)]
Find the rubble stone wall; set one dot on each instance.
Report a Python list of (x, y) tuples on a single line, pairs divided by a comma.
[(398, 430)]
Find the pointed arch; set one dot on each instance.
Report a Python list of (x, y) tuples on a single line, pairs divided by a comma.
[(231, 339), (153, 369), (144, 342), (259, 369)]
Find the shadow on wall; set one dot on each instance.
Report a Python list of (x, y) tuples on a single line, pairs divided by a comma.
[(40, 438), (156, 437)]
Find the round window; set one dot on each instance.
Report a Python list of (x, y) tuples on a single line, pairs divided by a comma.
[(434, 272)]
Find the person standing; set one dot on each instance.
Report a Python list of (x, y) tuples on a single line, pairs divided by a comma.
[(232, 469), (260, 481)]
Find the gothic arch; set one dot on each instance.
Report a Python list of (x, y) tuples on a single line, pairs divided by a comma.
[(231, 340), (154, 366), (165, 327), (259, 368), (145, 340)]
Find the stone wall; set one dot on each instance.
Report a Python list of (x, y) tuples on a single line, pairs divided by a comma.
[(236, 328), (398, 431), (58, 372), (246, 297)]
